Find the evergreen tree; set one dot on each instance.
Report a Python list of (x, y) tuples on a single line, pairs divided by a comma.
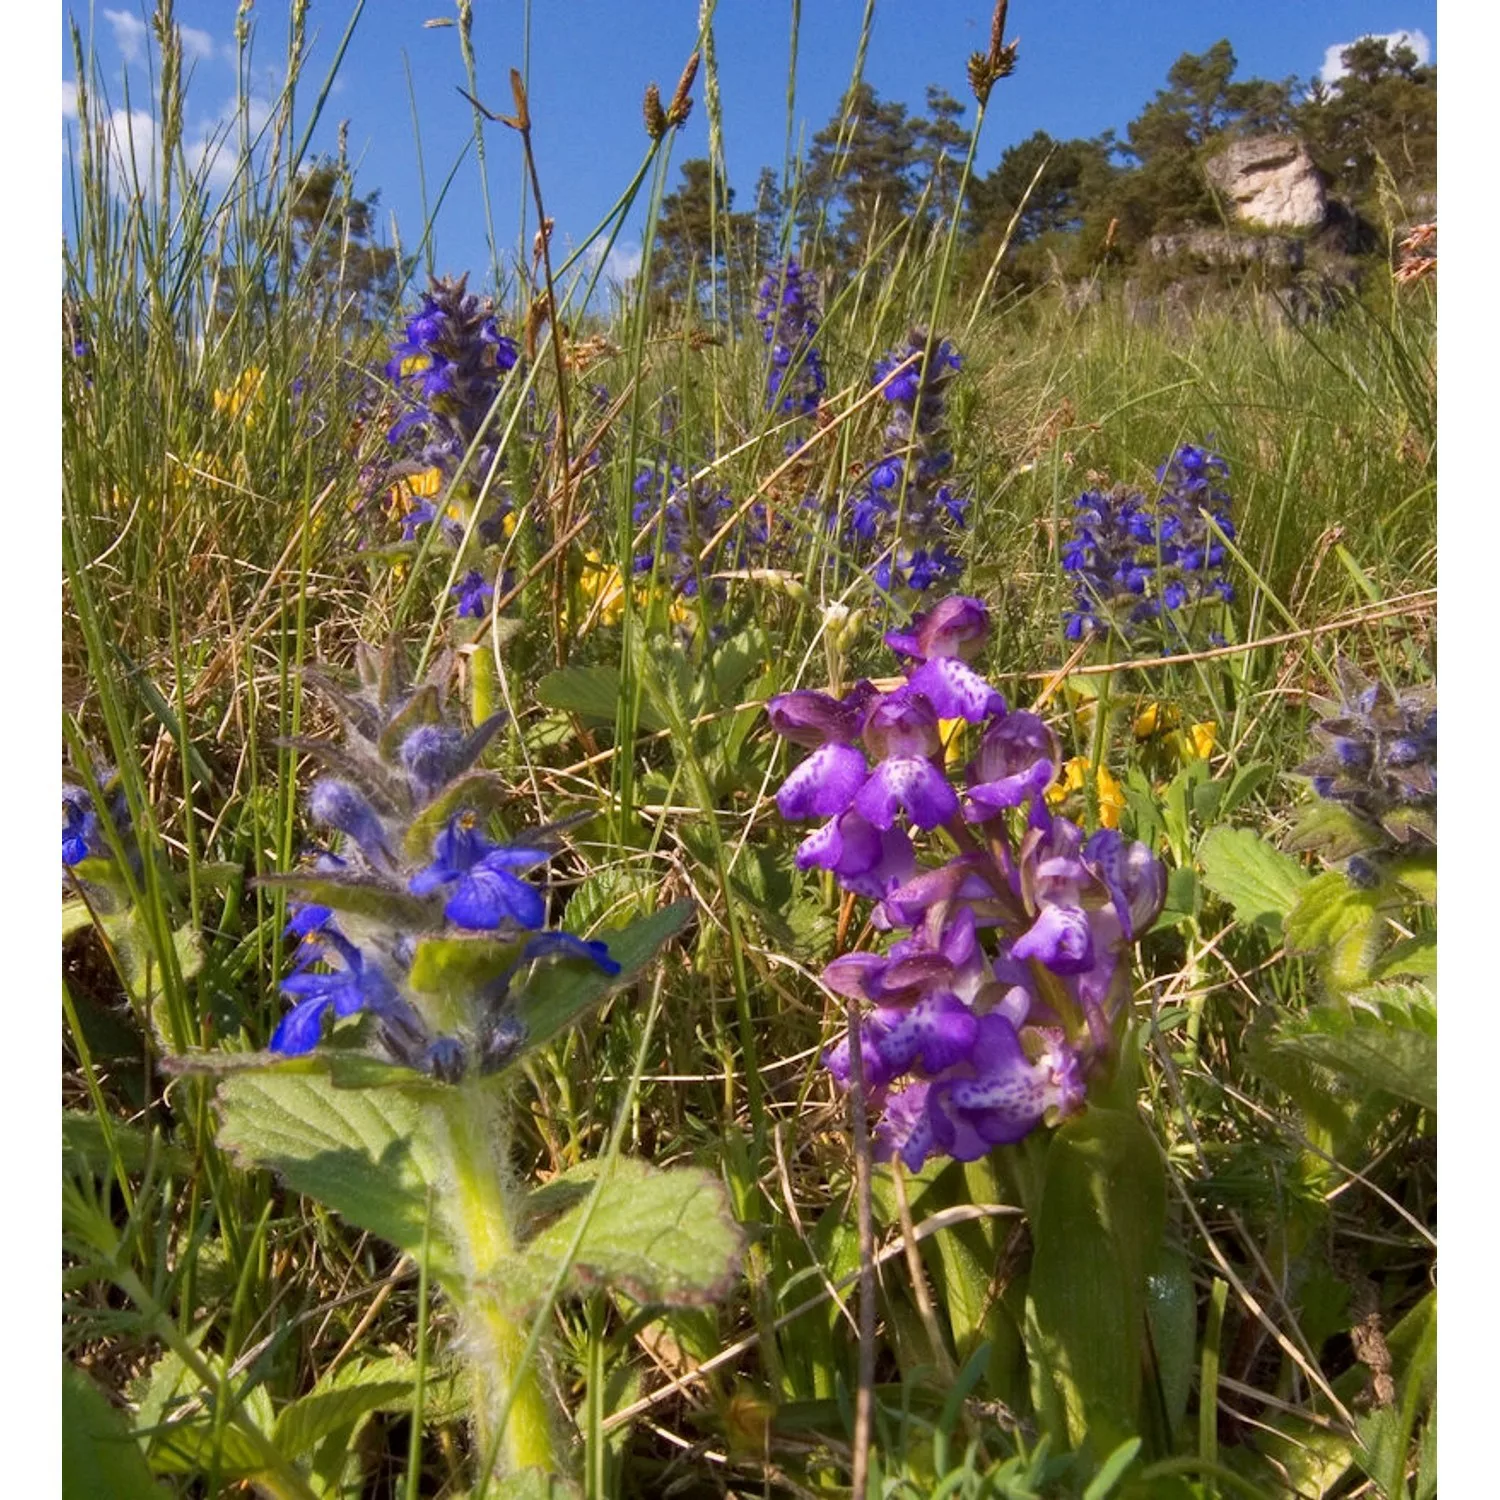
[(1384, 108), (860, 177)]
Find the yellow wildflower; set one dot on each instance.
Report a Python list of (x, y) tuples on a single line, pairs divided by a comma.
[(1199, 740), (1154, 717), (242, 397), (600, 581), (952, 733), (1074, 777)]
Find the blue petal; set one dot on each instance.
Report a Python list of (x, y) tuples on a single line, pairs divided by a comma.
[(301, 1027)]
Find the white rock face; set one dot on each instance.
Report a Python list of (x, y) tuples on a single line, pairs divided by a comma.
[(1271, 180)]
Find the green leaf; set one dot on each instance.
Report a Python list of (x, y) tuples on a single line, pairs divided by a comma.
[(1415, 958), (341, 1402), (558, 993), (1418, 873), (100, 1454), (364, 1152), (1112, 1470), (734, 660), (1098, 1230), (361, 897), (1393, 1049), (1252, 874), (664, 1238), (593, 693), (1333, 832), (1328, 909), (1247, 781), (84, 1143), (1182, 897), (479, 792), (534, 1484), (460, 965), (75, 916), (1172, 1316)]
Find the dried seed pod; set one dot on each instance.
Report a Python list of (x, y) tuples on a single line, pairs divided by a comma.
[(656, 116)]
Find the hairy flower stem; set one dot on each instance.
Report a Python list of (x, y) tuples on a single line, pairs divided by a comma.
[(481, 1213)]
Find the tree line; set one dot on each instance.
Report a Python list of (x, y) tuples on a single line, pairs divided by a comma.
[(878, 176)]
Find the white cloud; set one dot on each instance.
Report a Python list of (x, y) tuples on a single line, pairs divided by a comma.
[(621, 265), (196, 45), (130, 33), (1333, 60), (70, 99), (130, 142)]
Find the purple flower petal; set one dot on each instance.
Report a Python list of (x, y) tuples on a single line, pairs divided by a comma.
[(824, 784), (1060, 938), (956, 691), (301, 1028), (910, 784), (1135, 878)]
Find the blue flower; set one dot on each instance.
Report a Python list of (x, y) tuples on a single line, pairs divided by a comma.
[(486, 894), (354, 986), (474, 595), (789, 323)]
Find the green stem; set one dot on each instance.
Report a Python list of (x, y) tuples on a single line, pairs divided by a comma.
[(480, 1213)]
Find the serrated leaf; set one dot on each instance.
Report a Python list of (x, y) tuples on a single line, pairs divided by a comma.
[(363, 1152), (1260, 882), (100, 1454), (1098, 1231), (593, 693), (557, 994), (1328, 909), (1395, 1053), (310, 1418), (1333, 832), (664, 1238), (1414, 958)]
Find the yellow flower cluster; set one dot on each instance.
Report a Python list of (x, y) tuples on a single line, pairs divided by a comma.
[(1196, 742), (601, 581), (1074, 777), (241, 399)]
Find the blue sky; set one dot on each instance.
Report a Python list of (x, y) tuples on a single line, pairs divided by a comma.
[(1084, 66)]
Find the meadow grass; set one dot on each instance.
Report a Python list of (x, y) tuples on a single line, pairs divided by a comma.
[(218, 522)]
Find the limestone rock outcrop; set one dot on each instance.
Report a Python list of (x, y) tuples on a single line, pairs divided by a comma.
[(1221, 247), (1270, 180)]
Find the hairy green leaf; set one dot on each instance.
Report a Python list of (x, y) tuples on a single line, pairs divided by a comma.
[(363, 1152), (662, 1237), (1252, 874)]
